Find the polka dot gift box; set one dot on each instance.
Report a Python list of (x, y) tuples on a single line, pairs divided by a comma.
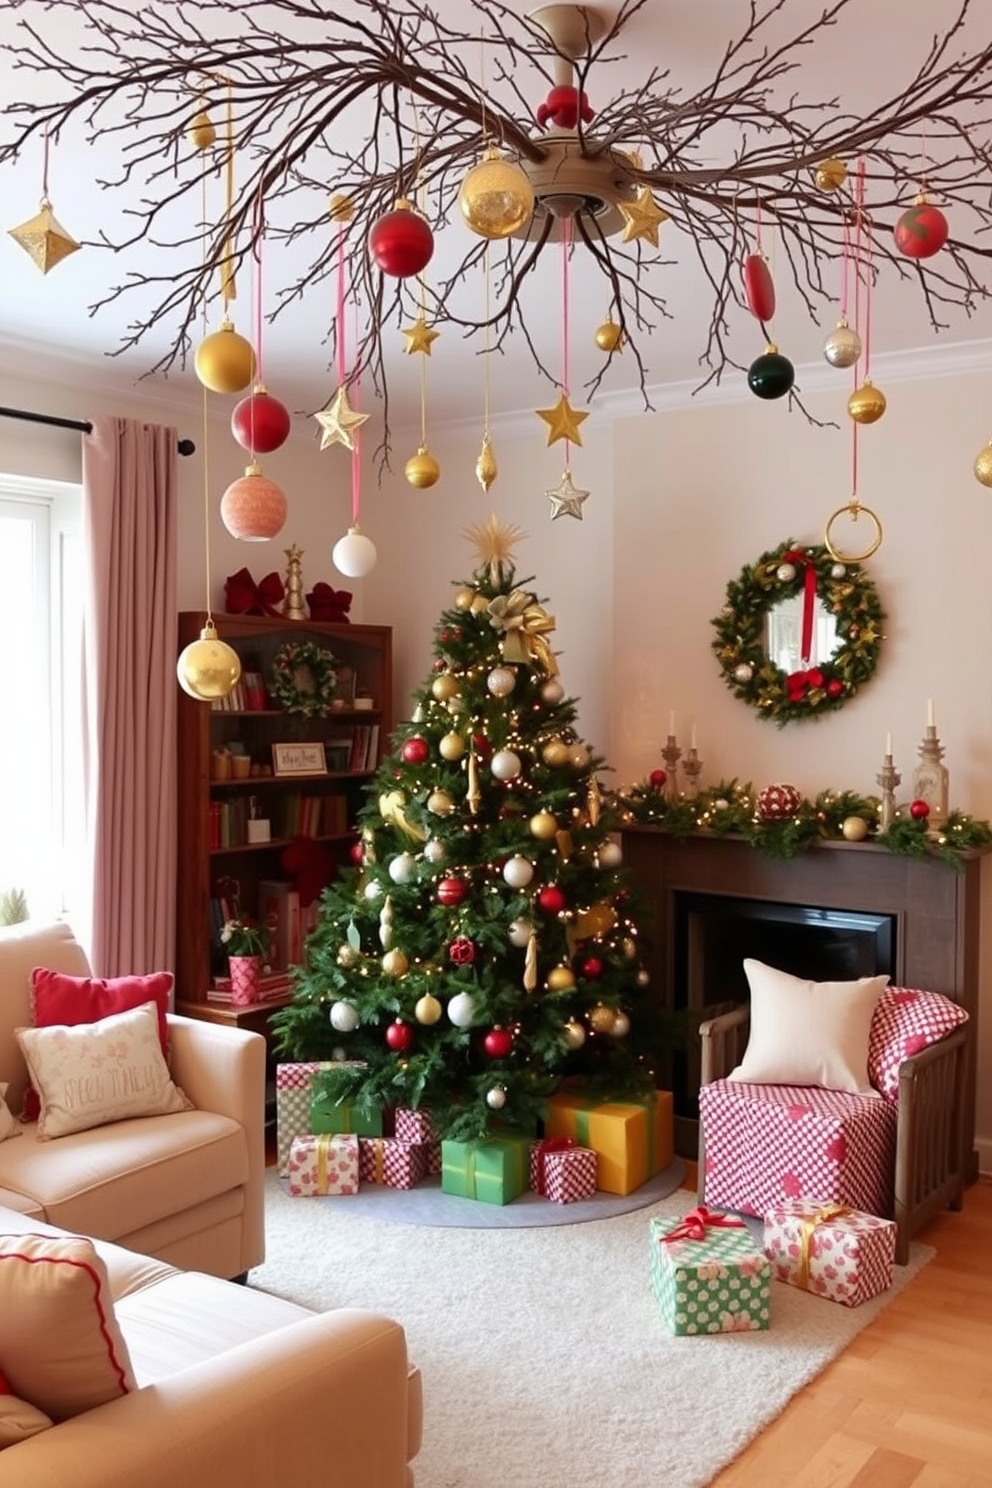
[(708, 1275)]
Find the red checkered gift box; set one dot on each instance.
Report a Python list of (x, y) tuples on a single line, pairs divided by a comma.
[(325, 1164), (831, 1250), (293, 1104), (782, 1142), (388, 1161), (433, 1150), (561, 1170), (413, 1126)]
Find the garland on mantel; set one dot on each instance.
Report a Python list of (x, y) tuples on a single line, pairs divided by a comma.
[(732, 808)]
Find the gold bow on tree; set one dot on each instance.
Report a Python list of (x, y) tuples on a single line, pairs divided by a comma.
[(524, 624)]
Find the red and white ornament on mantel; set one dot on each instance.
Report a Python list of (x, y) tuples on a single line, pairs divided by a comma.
[(779, 802)]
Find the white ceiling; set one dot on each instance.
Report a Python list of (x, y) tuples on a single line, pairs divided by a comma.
[(863, 58)]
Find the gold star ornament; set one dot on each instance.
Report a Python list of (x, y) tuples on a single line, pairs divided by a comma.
[(420, 337), (339, 422), (566, 500), (44, 239), (642, 218), (563, 420)]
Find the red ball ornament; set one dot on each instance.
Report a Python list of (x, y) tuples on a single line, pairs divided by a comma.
[(922, 230), (416, 750), (401, 242), (481, 745), (835, 687), (551, 899), (399, 1036), (779, 802), (451, 891), (261, 423), (592, 968), (357, 853), (498, 1042), (919, 810), (462, 951), (658, 778)]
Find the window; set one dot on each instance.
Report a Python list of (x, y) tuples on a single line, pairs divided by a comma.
[(42, 830)]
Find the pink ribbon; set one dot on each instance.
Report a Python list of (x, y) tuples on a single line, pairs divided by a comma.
[(695, 1224)]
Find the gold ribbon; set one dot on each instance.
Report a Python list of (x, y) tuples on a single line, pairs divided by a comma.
[(807, 1225), (323, 1151), (524, 624), (378, 1165)]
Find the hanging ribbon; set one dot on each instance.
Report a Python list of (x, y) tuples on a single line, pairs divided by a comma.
[(566, 242), (696, 1223), (807, 1227), (228, 290), (524, 624), (356, 452), (801, 559)]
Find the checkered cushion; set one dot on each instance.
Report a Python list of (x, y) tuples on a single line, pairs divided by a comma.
[(767, 1143), (904, 1022)]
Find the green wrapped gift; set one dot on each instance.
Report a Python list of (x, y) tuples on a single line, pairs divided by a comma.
[(495, 1171), (342, 1118), (708, 1275)]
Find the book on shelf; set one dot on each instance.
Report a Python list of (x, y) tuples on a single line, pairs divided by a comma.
[(271, 986)]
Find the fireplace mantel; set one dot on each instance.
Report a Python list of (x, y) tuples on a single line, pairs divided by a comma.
[(936, 910)]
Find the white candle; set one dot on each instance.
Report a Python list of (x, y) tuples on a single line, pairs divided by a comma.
[(671, 725), (888, 746), (930, 719), (692, 738)]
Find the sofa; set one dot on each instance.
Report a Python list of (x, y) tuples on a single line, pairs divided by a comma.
[(184, 1188), (233, 1387)]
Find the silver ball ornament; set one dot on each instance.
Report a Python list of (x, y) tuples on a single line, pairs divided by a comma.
[(610, 854), (344, 1017), (621, 1026), (518, 871), (347, 956), (373, 889), (496, 1098), (520, 932), (501, 681), (574, 1035), (786, 572), (842, 348), (434, 851), (838, 571), (505, 764), (552, 692), (743, 672)]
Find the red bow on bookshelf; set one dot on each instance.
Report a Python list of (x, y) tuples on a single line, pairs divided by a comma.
[(242, 596), (326, 603)]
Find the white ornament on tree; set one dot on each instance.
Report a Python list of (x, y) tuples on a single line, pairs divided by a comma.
[(344, 1017), (610, 854), (520, 932), (373, 889), (552, 692), (505, 764), (518, 871), (434, 851), (461, 1009), (496, 1098), (501, 681), (402, 867)]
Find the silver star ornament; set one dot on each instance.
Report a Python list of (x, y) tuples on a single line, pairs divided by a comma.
[(565, 500)]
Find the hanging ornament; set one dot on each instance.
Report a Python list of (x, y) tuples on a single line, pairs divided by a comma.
[(983, 465), (592, 968), (445, 687), (657, 778), (461, 1009), (201, 133), (343, 1017), (43, 237), (339, 421), (564, 106), (642, 218), (551, 899), (610, 854), (496, 199), (866, 404), (560, 979), (224, 361), (253, 508), (498, 1042), (461, 952), (501, 681), (518, 871), (759, 288), (620, 1027), (505, 764), (574, 1035), (552, 692), (771, 375), (401, 241), (427, 1010), (555, 753), (602, 1018), (422, 470), (854, 829), (922, 230), (563, 420), (843, 347), (496, 1098), (566, 499), (451, 746), (530, 964), (829, 175), (208, 668), (260, 423), (420, 337), (416, 750), (609, 336), (402, 868), (485, 466), (919, 810), (354, 555), (543, 826), (347, 956), (520, 932), (400, 1036), (434, 851), (395, 963), (451, 892), (439, 803)]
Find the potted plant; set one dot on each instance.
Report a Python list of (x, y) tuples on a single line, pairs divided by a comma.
[(246, 945)]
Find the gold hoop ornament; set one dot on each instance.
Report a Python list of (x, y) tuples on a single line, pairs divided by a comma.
[(854, 508)]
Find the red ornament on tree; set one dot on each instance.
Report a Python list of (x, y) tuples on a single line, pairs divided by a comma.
[(481, 745), (592, 968), (401, 242), (498, 1042), (451, 891), (462, 951), (261, 423), (922, 230), (919, 810), (399, 1036), (658, 778), (416, 750), (551, 899), (357, 853)]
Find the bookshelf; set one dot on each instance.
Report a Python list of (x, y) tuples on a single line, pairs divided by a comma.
[(243, 803)]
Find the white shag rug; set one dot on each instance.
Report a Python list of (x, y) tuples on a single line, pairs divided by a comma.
[(545, 1361)]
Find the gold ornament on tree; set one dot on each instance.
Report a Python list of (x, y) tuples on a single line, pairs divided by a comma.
[(293, 606), (609, 336), (43, 237), (983, 465), (829, 175)]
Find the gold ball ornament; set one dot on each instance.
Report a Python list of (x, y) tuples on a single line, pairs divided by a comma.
[(843, 347), (621, 1026), (496, 199), (439, 803), (208, 668), (201, 132), (422, 470), (464, 598), (574, 1034), (428, 1010), (602, 1018), (452, 746), (555, 752), (225, 361), (866, 404), (578, 756), (983, 465), (445, 687), (544, 825), (395, 964), (830, 175), (854, 828), (560, 979), (609, 336), (479, 605)]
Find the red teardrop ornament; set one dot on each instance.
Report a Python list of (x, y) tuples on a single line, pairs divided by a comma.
[(759, 287)]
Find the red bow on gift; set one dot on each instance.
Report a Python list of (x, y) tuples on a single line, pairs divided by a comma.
[(242, 596), (698, 1221), (326, 603)]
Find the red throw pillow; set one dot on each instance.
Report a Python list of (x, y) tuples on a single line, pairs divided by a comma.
[(905, 1021), (58, 998)]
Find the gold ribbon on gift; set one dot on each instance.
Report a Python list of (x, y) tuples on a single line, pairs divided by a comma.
[(524, 624), (379, 1163), (323, 1152), (807, 1225)]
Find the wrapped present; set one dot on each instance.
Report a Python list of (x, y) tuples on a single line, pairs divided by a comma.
[(325, 1164), (414, 1126), (386, 1160), (708, 1275), (493, 1170), (330, 1115), (433, 1155), (293, 1082), (831, 1250), (561, 1170), (632, 1139)]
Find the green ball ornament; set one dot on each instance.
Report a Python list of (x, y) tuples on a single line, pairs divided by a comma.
[(771, 375)]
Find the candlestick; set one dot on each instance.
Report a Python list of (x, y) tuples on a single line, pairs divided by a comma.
[(931, 779), (930, 718), (671, 754), (671, 725), (692, 767), (692, 740), (888, 778)]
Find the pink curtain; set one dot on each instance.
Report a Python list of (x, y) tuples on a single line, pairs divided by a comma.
[(129, 694)]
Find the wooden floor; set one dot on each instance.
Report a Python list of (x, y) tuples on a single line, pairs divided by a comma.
[(909, 1403)]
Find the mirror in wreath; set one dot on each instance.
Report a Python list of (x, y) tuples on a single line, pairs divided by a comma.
[(800, 632)]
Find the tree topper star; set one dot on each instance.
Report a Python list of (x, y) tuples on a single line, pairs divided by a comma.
[(566, 500), (563, 420), (339, 422), (419, 337), (642, 218), (494, 544)]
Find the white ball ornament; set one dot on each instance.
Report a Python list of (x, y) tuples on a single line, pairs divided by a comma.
[(574, 1035), (461, 1009), (518, 871), (501, 681), (743, 673), (520, 932), (354, 555), (610, 854), (838, 571), (496, 1098), (786, 572), (505, 764), (402, 867), (434, 851), (373, 889), (552, 692), (643, 978), (621, 1026), (344, 1017)]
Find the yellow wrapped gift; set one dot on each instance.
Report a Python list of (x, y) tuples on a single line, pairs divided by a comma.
[(632, 1138)]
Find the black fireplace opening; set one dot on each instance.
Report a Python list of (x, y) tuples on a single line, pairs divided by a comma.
[(713, 934)]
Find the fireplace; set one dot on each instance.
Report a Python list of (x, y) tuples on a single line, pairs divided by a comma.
[(836, 911)]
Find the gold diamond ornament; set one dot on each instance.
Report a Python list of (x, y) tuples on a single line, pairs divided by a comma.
[(44, 239)]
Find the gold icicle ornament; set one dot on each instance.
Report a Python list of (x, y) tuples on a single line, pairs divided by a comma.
[(473, 796), (524, 624), (564, 843), (44, 239), (530, 963), (201, 133), (486, 469), (593, 801)]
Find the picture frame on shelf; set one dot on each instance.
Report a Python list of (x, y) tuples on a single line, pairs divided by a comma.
[(344, 694), (338, 756), (299, 759)]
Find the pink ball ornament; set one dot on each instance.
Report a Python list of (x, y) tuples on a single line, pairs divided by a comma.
[(261, 423), (779, 802)]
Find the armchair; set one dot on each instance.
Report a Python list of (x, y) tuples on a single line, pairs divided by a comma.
[(898, 1154)]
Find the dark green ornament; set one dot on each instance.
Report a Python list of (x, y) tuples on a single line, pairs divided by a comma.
[(771, 375)]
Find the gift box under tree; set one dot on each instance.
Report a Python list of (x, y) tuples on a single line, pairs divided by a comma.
[(493, 1171), (828, 1249), (708, 1275), (632, 1138), (328, 1113), (324, 1164), (562, 1171), (413, 1126), (293, 1089), (388, 1161)]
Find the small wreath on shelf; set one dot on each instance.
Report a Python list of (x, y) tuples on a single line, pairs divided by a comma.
[(844, 590), (303, 678)]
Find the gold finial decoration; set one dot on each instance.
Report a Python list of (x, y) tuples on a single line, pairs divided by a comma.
[(494, 543), (486, 469)]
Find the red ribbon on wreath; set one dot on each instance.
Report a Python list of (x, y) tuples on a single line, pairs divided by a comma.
[(799, 683), (801, 559), (695, 1224), (325, 603), (242, 596)]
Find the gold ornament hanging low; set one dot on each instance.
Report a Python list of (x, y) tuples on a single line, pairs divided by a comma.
[(44, 239), (830, 175), (609, 336), (496, 199), (208, 668), (201, 133), (866, 404), (983, 465), (422, 470), (842, 348), (225, 361), (485, 466)]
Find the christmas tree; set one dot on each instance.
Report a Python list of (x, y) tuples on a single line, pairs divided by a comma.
[(482, 949)]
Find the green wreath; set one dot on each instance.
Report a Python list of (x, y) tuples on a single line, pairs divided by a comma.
[(845, 591), (303, 678)]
